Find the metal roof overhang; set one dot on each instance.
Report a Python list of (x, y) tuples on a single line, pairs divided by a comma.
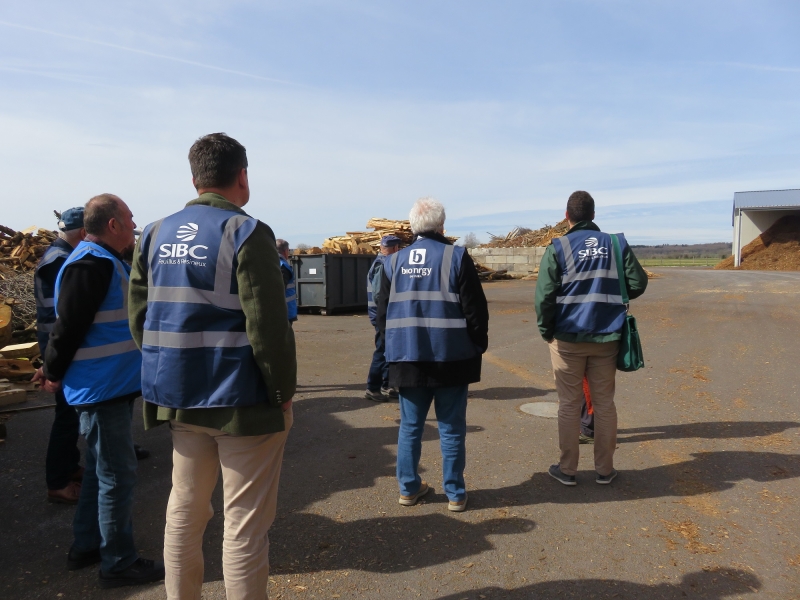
[(765, 200)]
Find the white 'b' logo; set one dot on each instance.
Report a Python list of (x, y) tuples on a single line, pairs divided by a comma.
[(186, 233), (591, 242), (417, 257)]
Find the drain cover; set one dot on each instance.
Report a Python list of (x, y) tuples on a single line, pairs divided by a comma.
[(548, 410)]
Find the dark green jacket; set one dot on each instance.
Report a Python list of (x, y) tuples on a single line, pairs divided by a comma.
[(549, 282), (262, 295)]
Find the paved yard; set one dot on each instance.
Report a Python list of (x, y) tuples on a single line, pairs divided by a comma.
[(705, 505)]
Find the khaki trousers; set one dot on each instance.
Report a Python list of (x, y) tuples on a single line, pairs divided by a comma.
[(599, 363), (251, 469)]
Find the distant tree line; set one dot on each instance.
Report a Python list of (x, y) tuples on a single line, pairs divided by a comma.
[(714, 250)]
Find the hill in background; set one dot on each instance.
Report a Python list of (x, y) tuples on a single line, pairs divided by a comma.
[(713, 250)]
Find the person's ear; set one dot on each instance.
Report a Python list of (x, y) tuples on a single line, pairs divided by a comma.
[(83, 233), (242, 180)]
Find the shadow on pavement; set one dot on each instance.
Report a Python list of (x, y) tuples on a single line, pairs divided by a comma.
[(721, 430), (508, 393), (715, 584), (709, 472), (384, 544)]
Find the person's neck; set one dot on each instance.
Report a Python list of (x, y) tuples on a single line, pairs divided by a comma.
[(229, 194)]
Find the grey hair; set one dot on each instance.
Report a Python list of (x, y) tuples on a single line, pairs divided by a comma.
[(70, 236), (281, 245), (426, 215)]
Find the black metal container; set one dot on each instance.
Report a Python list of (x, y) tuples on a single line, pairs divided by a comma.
[(329, 283)]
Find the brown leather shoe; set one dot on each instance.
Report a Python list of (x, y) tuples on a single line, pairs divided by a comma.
[(67, 495)]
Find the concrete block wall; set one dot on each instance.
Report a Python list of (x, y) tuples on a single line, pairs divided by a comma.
[(514, 260)]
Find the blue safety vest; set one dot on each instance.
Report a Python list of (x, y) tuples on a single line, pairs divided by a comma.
[(45, 291), (291, 292), (195, 349), (589, 299), (108, 363), (372, 307), (424, 319)]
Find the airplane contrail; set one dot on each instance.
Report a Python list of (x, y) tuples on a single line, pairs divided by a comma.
[(144, 52)]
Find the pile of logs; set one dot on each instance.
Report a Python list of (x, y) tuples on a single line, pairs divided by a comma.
[(21, 250), (366, 242)]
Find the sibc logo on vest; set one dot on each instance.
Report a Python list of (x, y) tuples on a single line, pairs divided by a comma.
[(176, 254), (592, 251)]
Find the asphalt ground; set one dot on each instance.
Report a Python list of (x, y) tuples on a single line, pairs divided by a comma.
[(705, 505)]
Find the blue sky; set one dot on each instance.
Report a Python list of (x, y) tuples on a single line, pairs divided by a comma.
[(354, 109)]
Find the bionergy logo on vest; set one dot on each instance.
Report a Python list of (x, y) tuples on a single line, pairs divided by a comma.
[(592, 251), (183, 254), (417, 257)]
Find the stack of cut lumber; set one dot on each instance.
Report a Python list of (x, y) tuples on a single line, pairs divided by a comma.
[(16, 369), (366, 242)]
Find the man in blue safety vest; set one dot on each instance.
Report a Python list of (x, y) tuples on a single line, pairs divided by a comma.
[(93, 358), (378, 389), (63, 472), (289, 281), (208, 309), (580, 315), (436, 321)]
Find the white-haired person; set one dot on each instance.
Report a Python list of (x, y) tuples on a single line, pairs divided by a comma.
[(436, 323)]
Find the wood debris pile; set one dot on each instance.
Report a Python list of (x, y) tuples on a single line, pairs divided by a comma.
[(20, 252), (521, 237), (366, 242)]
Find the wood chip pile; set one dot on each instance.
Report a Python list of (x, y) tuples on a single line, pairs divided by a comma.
[(777, 249), (366, 242), (520, 237)]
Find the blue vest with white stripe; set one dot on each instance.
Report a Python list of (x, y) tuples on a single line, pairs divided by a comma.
[(372, 308), (108, 363), (195, 349), (424, 320), (589, 299), (45, 291), (291, 292)]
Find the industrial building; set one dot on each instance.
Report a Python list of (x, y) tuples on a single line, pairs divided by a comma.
[(755, 212)]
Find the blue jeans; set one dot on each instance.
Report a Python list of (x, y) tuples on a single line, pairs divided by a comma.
[(451, 414), (379, 369), (103, 516)]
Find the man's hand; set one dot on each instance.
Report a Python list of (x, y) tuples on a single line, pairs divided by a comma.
[(47, 385), (286, 406)]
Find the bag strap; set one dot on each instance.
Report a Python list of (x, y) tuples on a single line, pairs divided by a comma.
[(623, 288)]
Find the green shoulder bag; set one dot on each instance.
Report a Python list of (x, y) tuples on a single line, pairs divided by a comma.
[(630, 357)]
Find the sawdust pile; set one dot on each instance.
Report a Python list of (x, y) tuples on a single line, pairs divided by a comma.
[(519, 237), (777, 249)]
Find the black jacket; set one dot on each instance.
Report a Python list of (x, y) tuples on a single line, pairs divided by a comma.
[(476, 313)]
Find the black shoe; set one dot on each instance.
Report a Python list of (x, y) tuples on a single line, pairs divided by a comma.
[(141, 453), (606, 479), (556, 473), (374, 396), (390, 392), (142, 571), (80, 560)]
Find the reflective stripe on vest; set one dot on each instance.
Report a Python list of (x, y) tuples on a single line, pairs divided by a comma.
[(45, 290), (107, 364), (589, 300), (424, 319), (195, 349)]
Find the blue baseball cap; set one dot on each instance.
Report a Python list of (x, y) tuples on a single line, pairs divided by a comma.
[(72, 218), (390, 240)]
